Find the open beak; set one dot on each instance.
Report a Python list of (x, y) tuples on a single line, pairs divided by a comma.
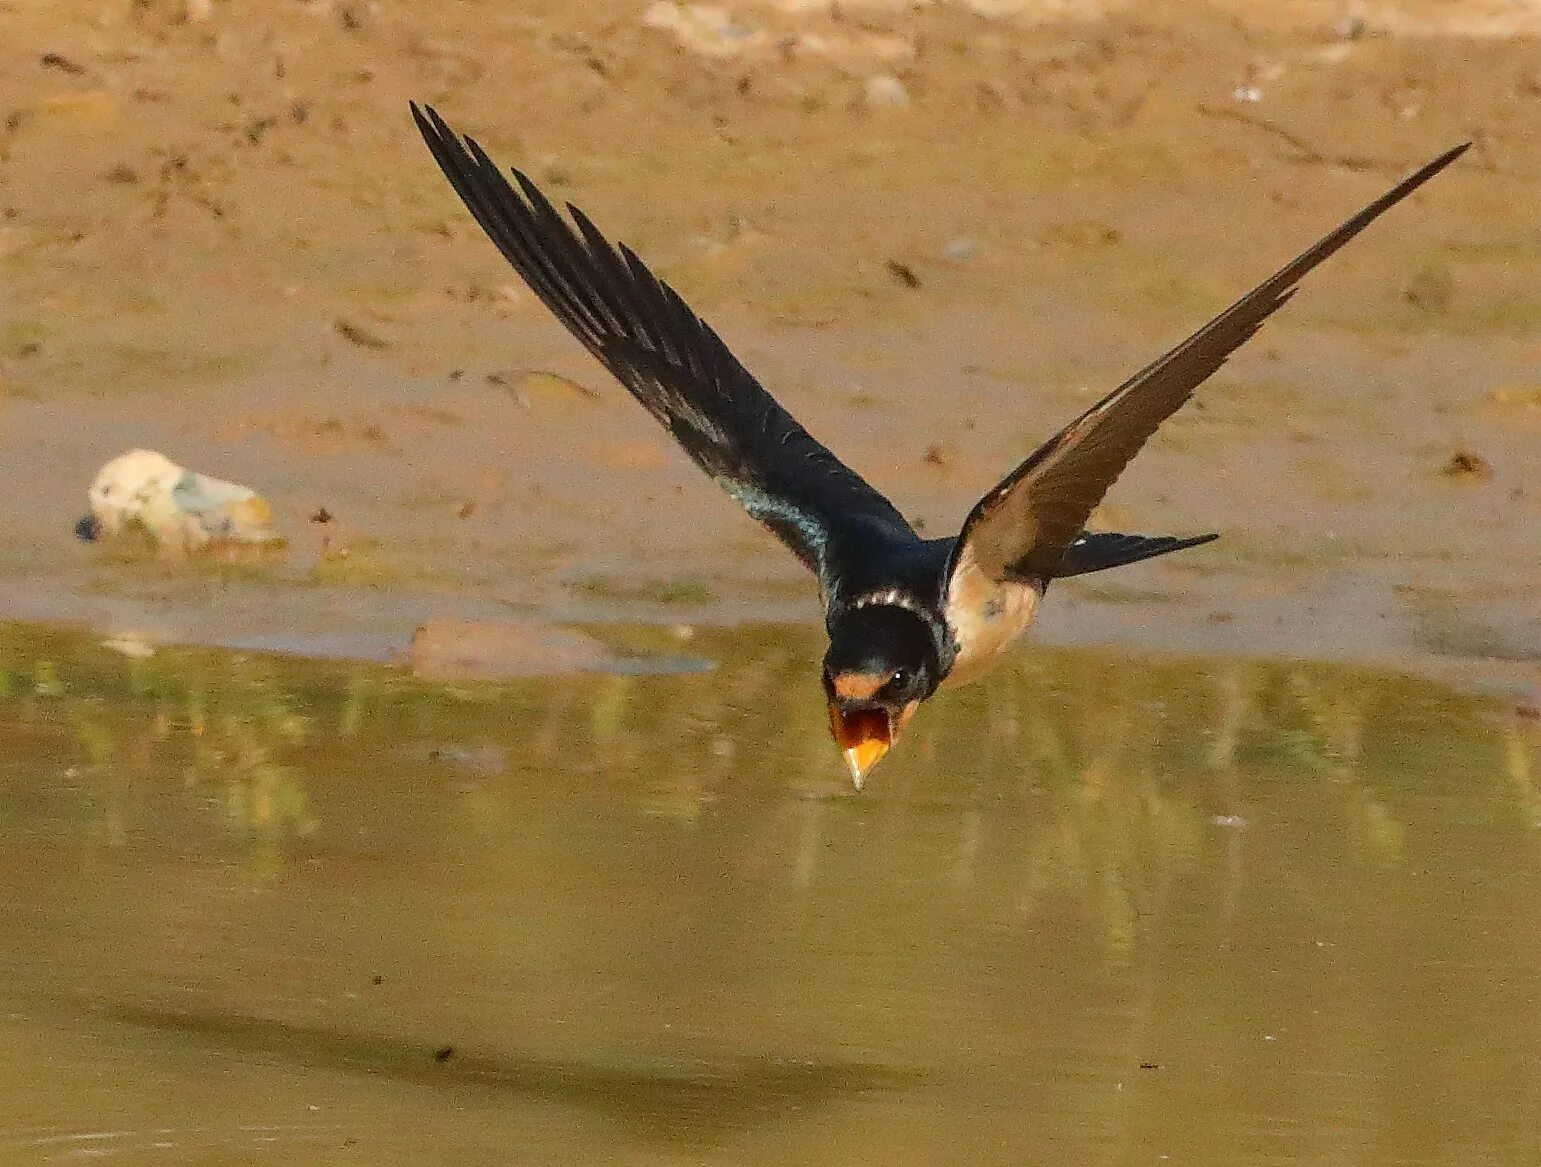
[(865, 735)]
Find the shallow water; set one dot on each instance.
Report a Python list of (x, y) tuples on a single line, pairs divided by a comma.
[(1102, 909)]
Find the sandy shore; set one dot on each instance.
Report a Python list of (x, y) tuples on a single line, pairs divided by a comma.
[(936, 233)]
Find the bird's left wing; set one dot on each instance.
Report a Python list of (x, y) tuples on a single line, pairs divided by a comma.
[(1021, 529), (670, 359)]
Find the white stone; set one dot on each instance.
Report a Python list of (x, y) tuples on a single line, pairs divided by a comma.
[(179, 508)]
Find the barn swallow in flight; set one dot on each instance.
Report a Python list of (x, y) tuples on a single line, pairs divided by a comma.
[(904, 614)]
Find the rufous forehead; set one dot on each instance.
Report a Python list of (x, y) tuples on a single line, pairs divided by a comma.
[(859, 686)]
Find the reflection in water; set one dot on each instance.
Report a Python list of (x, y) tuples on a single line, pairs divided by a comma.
[(1102, 909)]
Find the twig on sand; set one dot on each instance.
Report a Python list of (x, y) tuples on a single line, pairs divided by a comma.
[(1304, 151)]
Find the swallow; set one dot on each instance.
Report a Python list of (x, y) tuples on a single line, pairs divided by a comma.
[(905, 615)]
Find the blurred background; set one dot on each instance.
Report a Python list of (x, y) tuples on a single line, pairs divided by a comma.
[(936, 230), (1236, 864)]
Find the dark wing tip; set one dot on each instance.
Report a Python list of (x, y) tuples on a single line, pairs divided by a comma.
[(428, 121), (1420, 176), (1451, 155)]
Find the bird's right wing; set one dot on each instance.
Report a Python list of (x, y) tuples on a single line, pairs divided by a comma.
[(670, 359), (1021, 529)]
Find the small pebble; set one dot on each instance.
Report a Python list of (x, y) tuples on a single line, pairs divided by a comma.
[(903, 272), (62, 63), (960, 250), (359, 335), (1467, 464), (1431, 289), (886, 91)]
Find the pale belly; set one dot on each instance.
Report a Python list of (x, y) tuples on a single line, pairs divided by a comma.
[(986, 616)]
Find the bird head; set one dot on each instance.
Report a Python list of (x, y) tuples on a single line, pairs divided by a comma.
[(882, 663)]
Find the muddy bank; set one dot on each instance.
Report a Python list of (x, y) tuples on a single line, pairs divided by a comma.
[(935, 233)]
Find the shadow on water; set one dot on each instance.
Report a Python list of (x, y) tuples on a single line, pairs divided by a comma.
[(1101, 908), (691, 1104)]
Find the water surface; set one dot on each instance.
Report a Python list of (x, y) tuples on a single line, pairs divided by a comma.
[(1104, 909)]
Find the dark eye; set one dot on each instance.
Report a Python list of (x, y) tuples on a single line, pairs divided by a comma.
[(900, 679)]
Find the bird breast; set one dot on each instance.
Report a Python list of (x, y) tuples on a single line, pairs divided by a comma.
[(985, 615)]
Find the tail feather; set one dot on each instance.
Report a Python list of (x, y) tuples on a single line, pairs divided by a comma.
[(1102, 550)]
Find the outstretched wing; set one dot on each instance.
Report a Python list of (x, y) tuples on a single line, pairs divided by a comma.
[(670, 360), (1100, 550), (1020, 530)]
